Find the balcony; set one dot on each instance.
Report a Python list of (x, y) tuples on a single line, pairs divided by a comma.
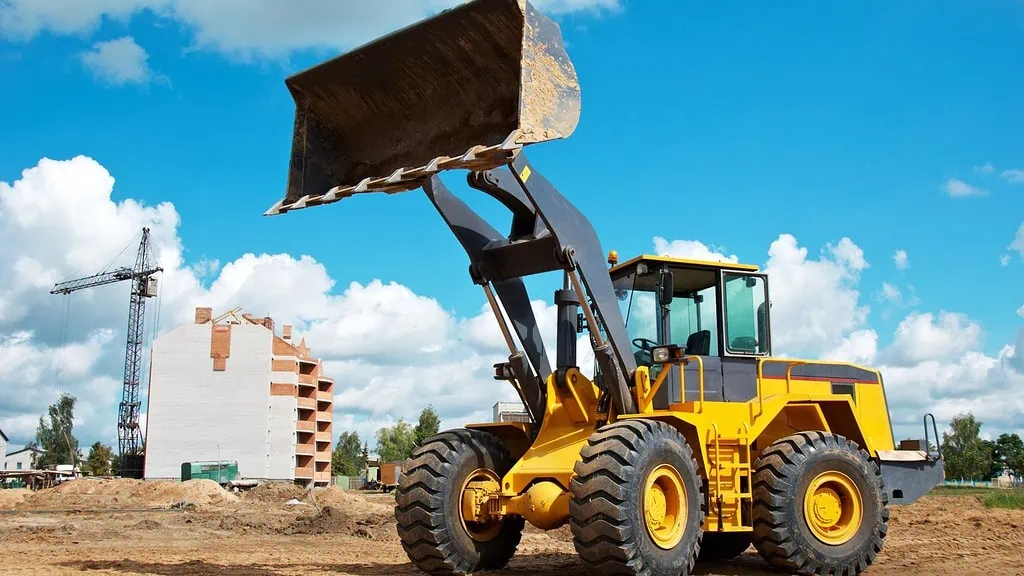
[(304, 472), (324, 416), (307, 380), (306, 403), (308, 449), (305, 426), (324, 396), (323, 437)]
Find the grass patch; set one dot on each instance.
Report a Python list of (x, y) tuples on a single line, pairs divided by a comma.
[(1010, 499), (960, 491)]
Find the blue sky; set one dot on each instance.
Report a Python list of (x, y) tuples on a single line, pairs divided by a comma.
[(728, 127)]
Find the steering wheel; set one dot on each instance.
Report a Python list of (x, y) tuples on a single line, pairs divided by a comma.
[(644, 344), (644, 356)]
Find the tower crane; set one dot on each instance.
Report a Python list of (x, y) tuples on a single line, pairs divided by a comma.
[(129, 436)]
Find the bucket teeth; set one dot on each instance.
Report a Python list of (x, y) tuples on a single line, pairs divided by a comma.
[(404, 179)]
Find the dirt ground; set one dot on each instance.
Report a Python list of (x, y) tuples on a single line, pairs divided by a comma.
[(196, 528)]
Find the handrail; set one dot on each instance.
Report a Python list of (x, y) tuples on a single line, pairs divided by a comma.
[(760, 392), (718, 467), (700, 379), (938, 446), (663, 375), (789, 373)]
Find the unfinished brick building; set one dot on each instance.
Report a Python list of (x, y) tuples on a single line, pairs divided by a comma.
[(229, 388)]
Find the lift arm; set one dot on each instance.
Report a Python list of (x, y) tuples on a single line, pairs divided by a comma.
[(548, 234)]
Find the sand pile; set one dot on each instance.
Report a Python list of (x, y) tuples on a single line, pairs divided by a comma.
[(11, 497), (331, 520), (352, 504), (275, 492), (128, 493)]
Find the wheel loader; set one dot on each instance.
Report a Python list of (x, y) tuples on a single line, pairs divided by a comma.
[(689, 440)]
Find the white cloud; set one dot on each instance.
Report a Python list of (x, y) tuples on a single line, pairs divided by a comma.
[(1020, 311), (1013, 176), (58, 221), (385, 344), (890, 293), (901, 259), (244, 28), (690, 249), (986, 168), (118, 62), (922, 337), (1018, 242), (815, 303), (859, 347), (957, 188), (1004, 260)]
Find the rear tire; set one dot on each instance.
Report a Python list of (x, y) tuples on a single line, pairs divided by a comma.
[(637, 501), (719, 546), (820, 505), (428, 505)]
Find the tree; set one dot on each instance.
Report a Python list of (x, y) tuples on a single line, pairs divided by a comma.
[(428, 424), (348, 458), (98, 462), (962, 448), (115, 465), (1008, 454), (993, 462), (54, 434), (396, 443)]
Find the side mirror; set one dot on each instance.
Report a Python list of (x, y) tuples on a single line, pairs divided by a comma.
[(666, 285)]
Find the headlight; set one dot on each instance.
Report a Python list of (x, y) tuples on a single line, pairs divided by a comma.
[(666, 354)]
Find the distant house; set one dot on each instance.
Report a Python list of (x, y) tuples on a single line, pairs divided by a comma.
[(3, 444), (21, 459), (1005, 479)]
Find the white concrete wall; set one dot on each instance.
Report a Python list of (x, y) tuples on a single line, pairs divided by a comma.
[(193, 409), (281, 436), (3, 450), (23, 458)]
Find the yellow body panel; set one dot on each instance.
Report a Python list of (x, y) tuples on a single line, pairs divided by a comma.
[(726, 437), (569, 419)]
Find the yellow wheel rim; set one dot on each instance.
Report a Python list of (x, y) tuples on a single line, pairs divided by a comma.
[(479, 531), (833, 508), (665, 506)]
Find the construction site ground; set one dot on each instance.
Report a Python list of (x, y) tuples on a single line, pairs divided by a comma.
[(132, 527)]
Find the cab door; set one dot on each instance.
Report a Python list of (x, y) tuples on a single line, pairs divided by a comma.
[(745, 331)]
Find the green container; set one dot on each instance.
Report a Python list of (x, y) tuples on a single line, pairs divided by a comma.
[(220, 472)]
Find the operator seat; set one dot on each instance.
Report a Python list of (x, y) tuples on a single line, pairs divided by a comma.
[(699, 343)]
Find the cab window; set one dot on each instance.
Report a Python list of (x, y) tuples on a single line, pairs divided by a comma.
[(746, 317), (693, 316)]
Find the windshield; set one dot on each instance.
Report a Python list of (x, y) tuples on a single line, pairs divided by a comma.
[(693, 316)]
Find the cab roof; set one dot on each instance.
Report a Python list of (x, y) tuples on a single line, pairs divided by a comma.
[(684, 262)]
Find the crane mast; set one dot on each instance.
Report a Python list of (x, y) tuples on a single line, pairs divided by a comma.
[(129, 434)]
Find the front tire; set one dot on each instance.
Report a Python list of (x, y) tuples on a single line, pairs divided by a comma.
[(820, 505), (428, 505), (637, 501)]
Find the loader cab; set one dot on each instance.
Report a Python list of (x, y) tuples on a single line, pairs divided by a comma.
[(716, 310)]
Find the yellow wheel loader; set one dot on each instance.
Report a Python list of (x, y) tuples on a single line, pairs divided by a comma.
[(690, 440)]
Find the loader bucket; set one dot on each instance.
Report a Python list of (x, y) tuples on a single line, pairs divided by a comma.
[(461, 89)]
